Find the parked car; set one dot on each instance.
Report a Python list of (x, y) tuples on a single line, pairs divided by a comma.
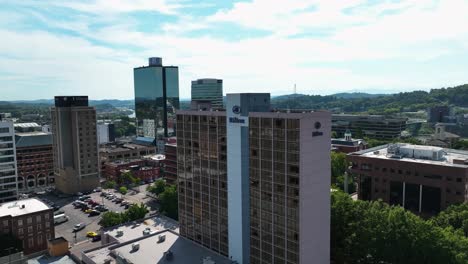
[(94, 213), (59, 212), (79, 194), (118, 200), (91, 234), (79, 227), (89, 210), (96, 238), (58, 219), (84, 197), (98, 189)]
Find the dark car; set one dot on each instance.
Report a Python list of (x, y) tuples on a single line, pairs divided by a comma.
[(96, 238), (94, 213), (56, 207)]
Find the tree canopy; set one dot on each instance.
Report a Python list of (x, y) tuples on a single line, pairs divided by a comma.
[(374, 232)]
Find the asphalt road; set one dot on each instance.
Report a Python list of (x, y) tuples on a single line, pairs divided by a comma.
[(77, 216)]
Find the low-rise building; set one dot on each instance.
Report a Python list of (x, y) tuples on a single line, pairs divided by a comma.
[(348, 144), (57, 247), (146, 169), (123, 151), (423, 179), (29, 220), (156, 240), (35, 161), (372, 126)]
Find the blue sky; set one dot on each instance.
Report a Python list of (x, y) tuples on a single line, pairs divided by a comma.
[(90, 47)]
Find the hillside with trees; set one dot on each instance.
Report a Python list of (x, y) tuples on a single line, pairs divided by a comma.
[(383, 104)]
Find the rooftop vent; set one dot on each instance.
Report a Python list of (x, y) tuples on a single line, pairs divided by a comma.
[(161, 238), (168, 255), (208, 260), (135, 246), (120, 233)]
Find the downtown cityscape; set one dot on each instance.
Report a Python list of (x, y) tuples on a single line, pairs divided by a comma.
[(233, 154)]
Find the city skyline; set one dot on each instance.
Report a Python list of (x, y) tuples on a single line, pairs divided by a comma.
[(323, 47)]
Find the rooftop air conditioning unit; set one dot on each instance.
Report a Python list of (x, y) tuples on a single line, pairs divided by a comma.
[(135, 246), (119, 232), (161, 238), (208, 260)]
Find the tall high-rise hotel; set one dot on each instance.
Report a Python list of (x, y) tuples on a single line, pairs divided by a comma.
[(75, 145), (156, 98), (254, 185)]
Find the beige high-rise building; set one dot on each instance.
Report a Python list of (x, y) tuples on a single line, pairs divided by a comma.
[(74, 144), (254, 185)]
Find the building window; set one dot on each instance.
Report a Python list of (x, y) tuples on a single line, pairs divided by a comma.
[(30, 230), (38, 218), (46, 216), (29, 220), (5, 223), (30, 242), (20, 231), (39, 239), (47, 224), (39, 227), (20, 222)]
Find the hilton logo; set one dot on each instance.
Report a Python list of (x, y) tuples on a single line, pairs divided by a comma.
[(236, 109), (317, 125), (236, 120)]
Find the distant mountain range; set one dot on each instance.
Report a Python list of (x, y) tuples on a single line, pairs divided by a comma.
[(349, 102)]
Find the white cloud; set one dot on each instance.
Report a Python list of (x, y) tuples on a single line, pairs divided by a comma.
[(410, 32)]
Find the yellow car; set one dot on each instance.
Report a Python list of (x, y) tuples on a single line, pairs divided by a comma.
[(91, 234), (88, 211)]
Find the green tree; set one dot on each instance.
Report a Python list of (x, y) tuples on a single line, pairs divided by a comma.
[(168, 201), (126, 178), (136, 212), (110, 219), (455, 216), (157, 187), (110, 184), (374, 232), (123, 190), (334, 134)]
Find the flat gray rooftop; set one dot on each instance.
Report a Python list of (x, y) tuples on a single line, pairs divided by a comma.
[(152, 251)]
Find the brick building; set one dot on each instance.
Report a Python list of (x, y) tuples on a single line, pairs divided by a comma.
[(123, 151), (423, 179), (29, 220), (35, 161), (348, 144), (145, 169)]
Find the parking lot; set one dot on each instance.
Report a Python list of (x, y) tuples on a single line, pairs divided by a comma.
[(76, 215)]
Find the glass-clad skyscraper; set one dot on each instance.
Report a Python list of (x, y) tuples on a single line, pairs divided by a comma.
[(156, 98), (208, 90)]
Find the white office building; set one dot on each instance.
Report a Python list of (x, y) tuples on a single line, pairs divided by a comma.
[(8, 169)]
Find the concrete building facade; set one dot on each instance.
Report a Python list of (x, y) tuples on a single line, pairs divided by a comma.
[(106, 133), (75, 146), (8, 166), (372, 126), (423, 179)]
